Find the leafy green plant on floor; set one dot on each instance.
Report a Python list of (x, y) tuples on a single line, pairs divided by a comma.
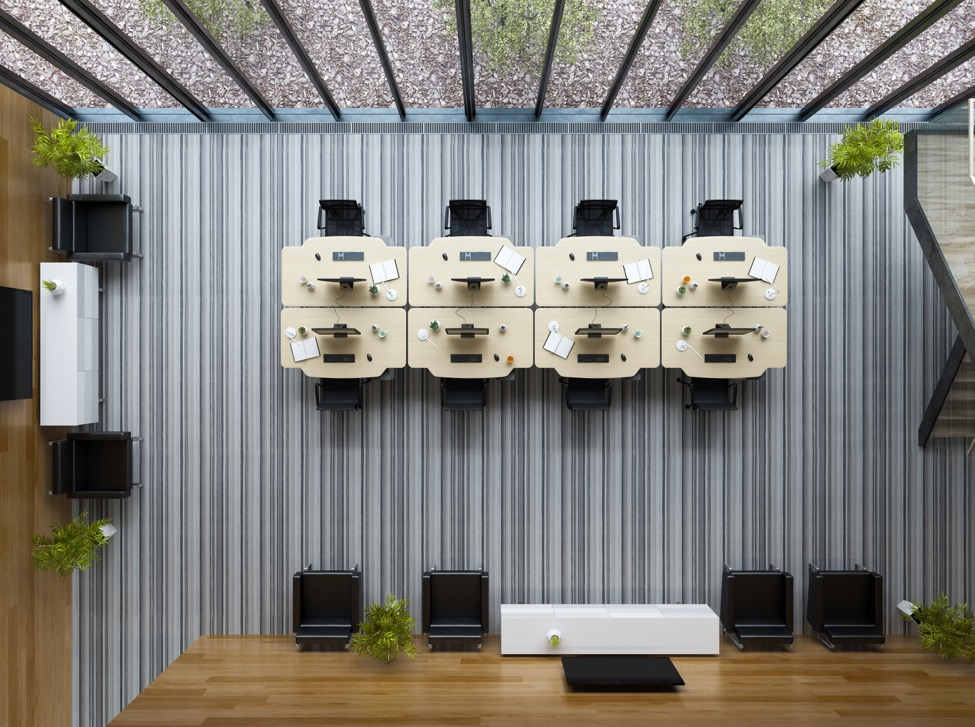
[(772, 29), (387, 631), (866, 148), (512, 35), (948, 630), (236, 19), (72, 546), (71, 151)]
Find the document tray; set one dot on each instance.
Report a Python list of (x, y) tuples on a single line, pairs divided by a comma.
[(338, 358)]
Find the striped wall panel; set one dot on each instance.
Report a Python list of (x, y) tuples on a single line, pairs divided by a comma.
[(244, 482)]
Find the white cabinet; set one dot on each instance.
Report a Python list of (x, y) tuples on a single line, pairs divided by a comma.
[(610, 629), (69, 346)]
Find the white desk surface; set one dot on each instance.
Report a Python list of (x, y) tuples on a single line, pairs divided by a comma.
[(681, 261), (552, 262), (387, 353), (768, 353), (300, 261), (641, 353), (426, 262), (434, 353)]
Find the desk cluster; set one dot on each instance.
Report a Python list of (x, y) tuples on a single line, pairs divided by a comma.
[(479, 307)]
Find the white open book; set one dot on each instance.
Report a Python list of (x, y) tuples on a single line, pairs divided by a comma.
[(764, 270), (304, 350), (559, 344), (384, 271), (638, 272), (509, 260)]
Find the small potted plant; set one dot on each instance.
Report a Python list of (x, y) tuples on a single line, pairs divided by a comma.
[(864, 149), (554, 638), (434, 326), (387, 631), (373, 290), (945, 629), (55, 286), (302, 330), (71, 547), (506, 279), (71, 151)]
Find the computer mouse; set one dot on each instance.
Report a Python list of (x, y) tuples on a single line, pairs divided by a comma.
[(750, 357), (445, 256), (496, 357), (318, 256), (572, 256), (369, 356), (698, 256), (623, 356)]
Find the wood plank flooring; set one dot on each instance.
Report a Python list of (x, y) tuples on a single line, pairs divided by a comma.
[(247, 681)]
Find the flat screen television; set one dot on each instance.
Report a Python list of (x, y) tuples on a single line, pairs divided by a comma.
[(345, 283), (473, 283), (602, 283), (732, 283), (16, 343)]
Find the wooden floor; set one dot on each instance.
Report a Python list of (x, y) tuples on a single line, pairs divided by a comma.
[(262, 680), (35, 608)]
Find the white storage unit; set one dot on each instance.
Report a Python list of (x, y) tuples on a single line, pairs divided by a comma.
[(610, 629), (69, 346)]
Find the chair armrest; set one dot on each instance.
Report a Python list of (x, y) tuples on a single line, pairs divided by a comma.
[(489, 217), (878, 600), (789, 601), (728, 601), (99, 436), (425, 625), (616, 212), (62, 225), (62, 469), (485, 605), (296, 601), (814, 600), (446, 217), (357, 603)]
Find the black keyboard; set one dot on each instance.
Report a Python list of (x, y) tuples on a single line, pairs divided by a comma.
[(339, 358), (465, 358), (720, 358), (729, 257), (593, 358)]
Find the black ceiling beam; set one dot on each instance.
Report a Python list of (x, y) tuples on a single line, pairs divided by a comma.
[(641, 32), (377, 39), (839, 12), (22, 34), (924, 78), (115, 37), (951, 103), (210, 44), (553, 39), (38, 95), (731, 29), (304, 60), (465, 40), (921, 22)]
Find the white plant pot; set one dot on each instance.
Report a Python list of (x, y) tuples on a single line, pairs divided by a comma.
[(59, 287), (108, 530), (554, 632), (106, 174), (828, 175)]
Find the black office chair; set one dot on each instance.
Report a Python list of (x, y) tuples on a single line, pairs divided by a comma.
[(846, 607), (711, 394), (587, 394), (455, 607), (594, 218), (95, 465), (467, 218), (326, 606), (756, 607), (339, 394), (341, 217), (716, 218), (93, 227), (463, 394)]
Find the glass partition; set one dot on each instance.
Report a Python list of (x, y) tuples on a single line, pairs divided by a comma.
[(42, 74)]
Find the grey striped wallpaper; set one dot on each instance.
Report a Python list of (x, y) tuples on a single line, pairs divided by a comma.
[(244, 482)]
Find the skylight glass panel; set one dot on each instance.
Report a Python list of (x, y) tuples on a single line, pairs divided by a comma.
[(42, 74)]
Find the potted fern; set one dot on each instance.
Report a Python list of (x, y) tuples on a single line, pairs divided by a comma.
[(945, 629), (387, 631), (73, 546), (71, 151), (864, 149)]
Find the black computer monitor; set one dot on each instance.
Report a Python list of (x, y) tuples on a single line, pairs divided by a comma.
[(467, 330), (339, 330), (723, 330), (732, 283), (594, 330), (344, 282), (473, 283), (602, 282)]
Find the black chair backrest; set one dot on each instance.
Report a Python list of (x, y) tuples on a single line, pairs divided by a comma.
[(463, 394), (594, 217), (716, 217), (102, 465), (848, 597), (713, 394), (759, 597), (588, 394), (327, 598), (341, 217), (338, 394), (455, 596), (468, 218)]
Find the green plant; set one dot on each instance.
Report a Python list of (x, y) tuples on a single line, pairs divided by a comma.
[(73, 546), (865, 149), (50, 285), (772, 29), (945, 629), (512, 35), (72, 152), (235, 18), (387, 631)]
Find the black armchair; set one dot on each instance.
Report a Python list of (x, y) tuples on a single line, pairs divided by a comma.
[(326, 606), (93, 227), (587, 394), (756, 607), (341, 217), (463, 394), (467, 218), (716, 218), (846, 607), (339, 394), (96, 465), (711, 394), (455, 607), (594, 217)]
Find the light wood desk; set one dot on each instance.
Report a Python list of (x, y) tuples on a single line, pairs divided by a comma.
[(678, 262), (435, 353), (640, 353), (387, 353), (555, 262), (300, 261), (768, 353), (427, 262)]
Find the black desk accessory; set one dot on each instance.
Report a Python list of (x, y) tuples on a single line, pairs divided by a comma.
[(473, 282), (720, 358), (593, 358), (467, 330), (338, 358), (339, 330), (572, 256), (345, 283), (729, 257), (318, 256), (465, 358), (602, 282), (730, 283), (723, 330)]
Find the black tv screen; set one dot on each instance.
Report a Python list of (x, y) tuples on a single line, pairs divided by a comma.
[(16, 343)]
